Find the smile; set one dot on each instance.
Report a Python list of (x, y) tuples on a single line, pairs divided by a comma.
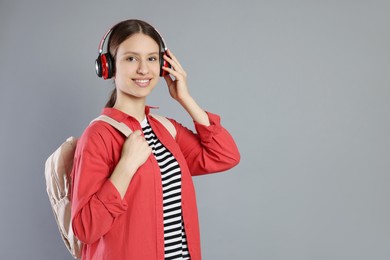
[(142, 82)]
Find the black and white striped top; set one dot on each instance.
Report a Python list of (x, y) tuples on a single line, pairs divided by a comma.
[(175, 241)]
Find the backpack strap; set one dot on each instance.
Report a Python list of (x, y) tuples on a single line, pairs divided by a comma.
[(166, 123), (126, 131), (123, 128)]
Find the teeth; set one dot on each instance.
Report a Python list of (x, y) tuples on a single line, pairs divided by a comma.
[(142, 80)]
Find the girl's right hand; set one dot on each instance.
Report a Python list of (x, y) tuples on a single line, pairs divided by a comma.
[(135, 150)]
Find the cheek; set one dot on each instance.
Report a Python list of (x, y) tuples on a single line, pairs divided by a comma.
[(156, 68), (125, 67)]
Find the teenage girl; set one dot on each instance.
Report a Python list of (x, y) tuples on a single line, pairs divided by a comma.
[(133, 198)]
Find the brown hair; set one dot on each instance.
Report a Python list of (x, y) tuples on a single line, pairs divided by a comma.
[(122, 31)]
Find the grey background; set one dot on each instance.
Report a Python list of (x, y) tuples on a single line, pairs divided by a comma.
[(303, 86)]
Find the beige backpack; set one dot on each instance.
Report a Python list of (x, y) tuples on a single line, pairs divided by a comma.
[(58, 168)]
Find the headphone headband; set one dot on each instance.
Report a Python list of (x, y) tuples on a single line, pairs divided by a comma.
[(102, 41), (100, 48)]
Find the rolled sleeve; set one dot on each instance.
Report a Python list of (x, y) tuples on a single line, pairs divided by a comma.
[(207, 132), (211, 149), (111, 199)]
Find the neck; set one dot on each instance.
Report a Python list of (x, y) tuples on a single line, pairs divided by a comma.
[(134, 107)]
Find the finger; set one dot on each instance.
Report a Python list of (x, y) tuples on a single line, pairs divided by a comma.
[(173, 63), (137, 133), (172, 59), (174, 73), (172, 56), (168, 79)]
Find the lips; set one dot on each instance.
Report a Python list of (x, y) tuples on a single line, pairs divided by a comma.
[(142, 82)]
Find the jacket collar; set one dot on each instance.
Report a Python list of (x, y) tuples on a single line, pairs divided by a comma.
[(121, 116)]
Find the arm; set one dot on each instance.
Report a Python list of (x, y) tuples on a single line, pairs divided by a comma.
[(97, 195), (135, 151), (212, 149), (95, 200), (178, 90)]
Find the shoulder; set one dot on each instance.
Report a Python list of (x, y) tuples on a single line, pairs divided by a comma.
[(96, 137), (168, 123)]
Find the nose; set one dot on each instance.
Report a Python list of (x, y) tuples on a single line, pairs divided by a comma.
[(142, 68)]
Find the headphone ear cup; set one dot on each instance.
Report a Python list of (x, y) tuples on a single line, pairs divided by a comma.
[(98, 66), (164, 63), (105, 66), (110, 66)]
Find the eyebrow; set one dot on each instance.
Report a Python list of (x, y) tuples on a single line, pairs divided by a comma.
[(137, 53)]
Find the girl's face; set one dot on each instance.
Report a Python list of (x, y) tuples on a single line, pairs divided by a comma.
[(137, 66)]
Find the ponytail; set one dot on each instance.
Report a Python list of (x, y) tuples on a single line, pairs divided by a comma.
[(112, 100)]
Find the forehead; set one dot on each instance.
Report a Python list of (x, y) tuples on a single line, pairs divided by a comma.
[(139, 43)]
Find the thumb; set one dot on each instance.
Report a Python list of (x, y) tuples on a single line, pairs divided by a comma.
[(136, 133)]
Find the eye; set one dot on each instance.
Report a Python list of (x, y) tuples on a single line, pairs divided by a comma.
[(153, 58), (131, 59)]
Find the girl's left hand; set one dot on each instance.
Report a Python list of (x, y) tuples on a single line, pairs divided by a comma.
[(177, 86)]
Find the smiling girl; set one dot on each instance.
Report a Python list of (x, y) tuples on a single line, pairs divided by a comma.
[(133, 198)]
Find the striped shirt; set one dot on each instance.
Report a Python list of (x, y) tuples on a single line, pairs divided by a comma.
[(175, 242)]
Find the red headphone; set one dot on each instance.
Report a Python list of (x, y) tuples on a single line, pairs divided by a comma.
[(105, 63)]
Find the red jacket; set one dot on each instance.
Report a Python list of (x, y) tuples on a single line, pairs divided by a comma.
[(132, 228)]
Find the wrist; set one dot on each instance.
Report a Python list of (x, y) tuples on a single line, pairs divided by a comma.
[(126, 166), (195, 111), (185, 101)]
